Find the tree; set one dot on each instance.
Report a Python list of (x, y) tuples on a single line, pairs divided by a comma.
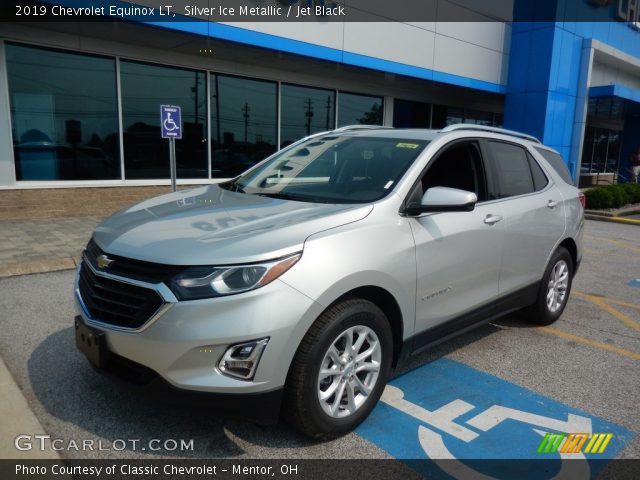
[(373, 116)]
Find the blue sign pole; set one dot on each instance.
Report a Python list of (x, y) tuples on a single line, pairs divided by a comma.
[(171, 128)]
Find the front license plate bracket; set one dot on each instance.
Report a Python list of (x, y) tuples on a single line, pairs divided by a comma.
[(91, 342)]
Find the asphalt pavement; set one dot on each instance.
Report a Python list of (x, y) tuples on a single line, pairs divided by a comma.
[(589, 360)]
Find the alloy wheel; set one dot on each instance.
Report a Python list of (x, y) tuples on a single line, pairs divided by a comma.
[(558, 285), (349, 371)]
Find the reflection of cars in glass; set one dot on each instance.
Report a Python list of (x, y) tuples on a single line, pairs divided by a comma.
[(52, 161), (304, 280)]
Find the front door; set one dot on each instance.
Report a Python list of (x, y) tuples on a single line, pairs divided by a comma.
[(457, 253)]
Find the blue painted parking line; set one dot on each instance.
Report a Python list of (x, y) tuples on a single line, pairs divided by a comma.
[(448, 410)]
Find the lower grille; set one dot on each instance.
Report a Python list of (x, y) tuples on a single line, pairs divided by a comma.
[(116, 303)]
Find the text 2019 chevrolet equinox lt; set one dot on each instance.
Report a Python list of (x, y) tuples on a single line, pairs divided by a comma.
[(298, 285)]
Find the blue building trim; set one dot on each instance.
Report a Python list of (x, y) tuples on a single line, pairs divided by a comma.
[(273, 42), (547, 84), (616, 90), (298, 47), (389, 66)]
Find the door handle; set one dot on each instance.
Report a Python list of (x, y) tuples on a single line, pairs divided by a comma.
[(552, 203), (492, 219)]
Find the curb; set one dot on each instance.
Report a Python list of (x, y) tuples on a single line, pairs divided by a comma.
[(18, 419), (38, 266), (620, 212), (605, 218)]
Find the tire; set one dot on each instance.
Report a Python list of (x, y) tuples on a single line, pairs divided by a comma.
[(557, 276), (363, 322)]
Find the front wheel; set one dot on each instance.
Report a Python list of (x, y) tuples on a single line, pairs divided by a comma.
[(554, 291), (339, 370)]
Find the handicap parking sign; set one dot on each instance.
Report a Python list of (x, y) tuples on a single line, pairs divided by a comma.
[(469, 422), (170, 121)]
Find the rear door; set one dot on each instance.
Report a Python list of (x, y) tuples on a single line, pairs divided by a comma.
[(533, 209)]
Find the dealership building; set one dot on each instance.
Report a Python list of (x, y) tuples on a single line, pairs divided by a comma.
[(80, 101)]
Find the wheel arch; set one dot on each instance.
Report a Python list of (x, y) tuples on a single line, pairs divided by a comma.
[(571, 246), (386, 302)]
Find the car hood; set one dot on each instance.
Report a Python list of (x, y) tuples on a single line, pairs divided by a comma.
[(210, 225)]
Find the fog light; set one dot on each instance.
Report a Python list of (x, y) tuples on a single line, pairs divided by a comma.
[(241, 360)]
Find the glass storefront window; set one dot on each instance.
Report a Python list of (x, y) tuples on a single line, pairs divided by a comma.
[(600, 141), (444, 115), (356, 109), (587, 151), (439, 116), (409, 114), (144, 88), (613, 151), (243, 123), (454, 115), (64, 114), (478, 118), (65, 117), (305, 111), (612, 108), (601, 150)]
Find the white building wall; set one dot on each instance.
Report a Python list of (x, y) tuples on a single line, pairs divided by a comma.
[(607, 74), (477, 49)]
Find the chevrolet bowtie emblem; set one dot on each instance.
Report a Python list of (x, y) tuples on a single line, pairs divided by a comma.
[(103, 261)]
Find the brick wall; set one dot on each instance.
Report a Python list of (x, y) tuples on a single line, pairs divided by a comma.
[(71, 202)]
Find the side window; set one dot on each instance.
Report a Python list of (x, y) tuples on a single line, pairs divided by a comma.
[(512, 169), (458, 166), (539, 178), (555, 160)]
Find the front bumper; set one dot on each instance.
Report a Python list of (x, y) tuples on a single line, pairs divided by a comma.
[(262, 407), (183, 345)]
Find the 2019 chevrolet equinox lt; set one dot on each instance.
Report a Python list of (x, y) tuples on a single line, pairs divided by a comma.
[(301, 283)]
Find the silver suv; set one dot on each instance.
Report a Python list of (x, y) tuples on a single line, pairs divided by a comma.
[(297, 286)]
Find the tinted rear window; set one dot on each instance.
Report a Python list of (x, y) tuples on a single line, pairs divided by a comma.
[(555, 160), (512, 168)]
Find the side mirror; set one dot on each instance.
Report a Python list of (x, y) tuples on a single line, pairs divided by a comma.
[(444, 199)]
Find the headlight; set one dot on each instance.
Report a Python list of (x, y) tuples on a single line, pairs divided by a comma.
[(206, 282)]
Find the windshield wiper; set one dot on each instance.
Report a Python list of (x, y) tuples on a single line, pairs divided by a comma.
[(291, 196)]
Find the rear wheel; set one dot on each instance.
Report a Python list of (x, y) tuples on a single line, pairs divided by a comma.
[(340, 370), (554, 291)]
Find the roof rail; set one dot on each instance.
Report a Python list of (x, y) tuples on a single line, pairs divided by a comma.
[(348, 128), (483, 128)]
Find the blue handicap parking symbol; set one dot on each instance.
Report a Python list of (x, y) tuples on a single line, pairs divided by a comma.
[(448, 411), (170, 121)]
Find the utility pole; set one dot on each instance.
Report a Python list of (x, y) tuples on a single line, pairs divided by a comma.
[(309, 114), (246, 115), (194, 90)]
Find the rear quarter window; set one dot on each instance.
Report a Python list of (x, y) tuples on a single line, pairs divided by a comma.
[(556, 161), (539, 178)]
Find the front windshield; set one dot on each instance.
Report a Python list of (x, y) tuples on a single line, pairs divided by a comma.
[(333, 169)]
